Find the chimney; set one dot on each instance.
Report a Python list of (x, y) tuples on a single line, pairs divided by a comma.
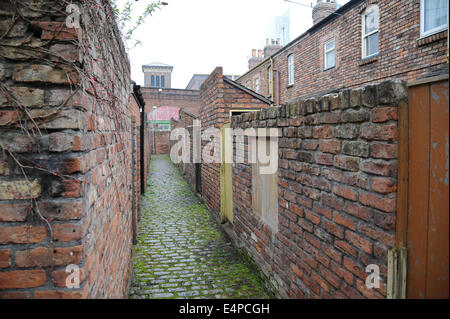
[(323, 9), (278, 41), (255, 59)]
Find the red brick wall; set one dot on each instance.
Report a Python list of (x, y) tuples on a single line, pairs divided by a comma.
[(186, 121), (161, 142), (189, 100), (217, 98), (75, 204), (401, 55), (337, 180)]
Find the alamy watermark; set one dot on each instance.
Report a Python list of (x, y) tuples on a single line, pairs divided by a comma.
[(216, 146), (73, 279)]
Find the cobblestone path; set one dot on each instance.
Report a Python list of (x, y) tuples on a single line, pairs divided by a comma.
[(181, 251)]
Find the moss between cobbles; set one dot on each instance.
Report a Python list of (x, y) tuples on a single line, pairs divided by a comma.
[(181, 250)]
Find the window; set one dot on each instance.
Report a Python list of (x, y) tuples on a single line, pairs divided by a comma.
[(370, 19), (433, 16), (157, 81), (160, 126), (152, 81), (330, 60), (163, 81), (291, 69), (257, 85)]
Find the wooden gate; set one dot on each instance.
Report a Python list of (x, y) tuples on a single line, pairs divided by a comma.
[(425, 225), (226, 179)]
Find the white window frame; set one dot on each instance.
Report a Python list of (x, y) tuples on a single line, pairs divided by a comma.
[(364, 35), (424, 33), (291, 69), (328, 51), (257, 85)]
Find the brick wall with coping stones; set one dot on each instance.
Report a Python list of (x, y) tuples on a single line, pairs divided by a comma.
[(337, 192), (186, 120), (217, 98), (187, 99), (161, 142), (401, 55), (89, 140)]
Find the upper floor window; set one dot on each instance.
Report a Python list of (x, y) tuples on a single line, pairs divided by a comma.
[(370, 20), (157, 81), (433, 16), (163, 81), (291, 69), (330, 59), (152, 81), (257, 87)]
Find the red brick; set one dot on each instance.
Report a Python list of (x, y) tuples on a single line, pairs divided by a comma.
[(332, 202), (386, 132), (357, 211), (383, 185), (330, 146), (382, 203), (312, 217), (14, 212), (346, 248), (378, 235), (384, 114), (341, 272), (379, 168), (22, 234), (22, 279), (5, 259), (67, 232), (345, 192), (358, 241), (330, 277), (43, 257), (323, 159), (344, 220), (385, 151), (354, 268)]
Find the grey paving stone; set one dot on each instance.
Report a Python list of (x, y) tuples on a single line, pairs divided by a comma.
[(181, 251)]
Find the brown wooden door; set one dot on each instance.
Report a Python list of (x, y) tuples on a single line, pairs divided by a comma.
[(428, 191)]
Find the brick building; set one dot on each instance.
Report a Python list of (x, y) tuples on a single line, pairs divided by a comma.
[(157, 75), (71, 163), (197, 79), (342, 51)]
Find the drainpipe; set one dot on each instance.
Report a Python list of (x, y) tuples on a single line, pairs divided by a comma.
[(278, 88), (271, 77)]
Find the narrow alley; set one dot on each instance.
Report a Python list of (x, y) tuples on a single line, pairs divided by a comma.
[(181, 250)]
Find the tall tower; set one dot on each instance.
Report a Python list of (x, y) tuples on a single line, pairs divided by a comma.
[(157, 75), (323, 9)]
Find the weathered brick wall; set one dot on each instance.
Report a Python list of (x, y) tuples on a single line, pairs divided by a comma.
[(187, 99), (401, 54), (337, 182), (217, 99), (186, 121), (65, 116), (161, 142)]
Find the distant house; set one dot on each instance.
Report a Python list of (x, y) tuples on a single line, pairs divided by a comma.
[(197, 80), (157, 75)]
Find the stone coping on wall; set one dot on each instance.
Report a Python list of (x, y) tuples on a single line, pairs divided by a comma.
[(385, 93)]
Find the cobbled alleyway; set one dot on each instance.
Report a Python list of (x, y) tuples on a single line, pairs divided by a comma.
[(181, 251)]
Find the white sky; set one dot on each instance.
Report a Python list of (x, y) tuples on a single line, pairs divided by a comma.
[(195, 36)]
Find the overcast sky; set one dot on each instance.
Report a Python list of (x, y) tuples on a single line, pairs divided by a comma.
[(195, 36)]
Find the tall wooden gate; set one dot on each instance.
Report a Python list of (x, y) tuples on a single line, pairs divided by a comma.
[(226, 179), (426, 222)]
